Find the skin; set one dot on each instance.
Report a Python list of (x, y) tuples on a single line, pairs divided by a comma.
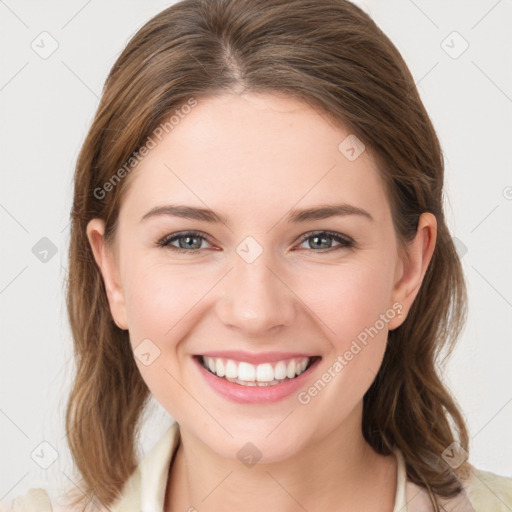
[(253, 158)]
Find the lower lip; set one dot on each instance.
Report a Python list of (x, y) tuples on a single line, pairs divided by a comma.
[(255, 394)]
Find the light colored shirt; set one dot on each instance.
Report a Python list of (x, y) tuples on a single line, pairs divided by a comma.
[(145, 490)]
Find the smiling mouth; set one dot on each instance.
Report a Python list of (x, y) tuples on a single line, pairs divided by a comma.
[(265, 374)]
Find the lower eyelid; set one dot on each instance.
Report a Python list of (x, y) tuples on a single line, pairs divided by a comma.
[(338, 237), (177, 237), (342, 240)]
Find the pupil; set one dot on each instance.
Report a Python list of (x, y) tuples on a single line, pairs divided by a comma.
[(188, 243), (317, 237)]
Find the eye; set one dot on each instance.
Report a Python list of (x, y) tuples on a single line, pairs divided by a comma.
[(188, 241), (192, 241), (322, 240)]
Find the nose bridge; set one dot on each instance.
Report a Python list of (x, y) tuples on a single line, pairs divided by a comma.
[(255, 299)]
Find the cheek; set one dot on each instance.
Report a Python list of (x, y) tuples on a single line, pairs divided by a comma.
[(349, 299), (354, 312), (157, 298), (157, 303)]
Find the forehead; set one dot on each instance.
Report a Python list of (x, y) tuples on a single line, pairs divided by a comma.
[(250, 150)]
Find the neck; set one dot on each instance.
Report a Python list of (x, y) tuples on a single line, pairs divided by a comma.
[(334, 473)]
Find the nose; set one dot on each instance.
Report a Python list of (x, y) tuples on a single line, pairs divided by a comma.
[(256, 299)]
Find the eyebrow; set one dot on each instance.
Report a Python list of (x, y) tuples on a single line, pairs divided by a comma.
[(294, 216)]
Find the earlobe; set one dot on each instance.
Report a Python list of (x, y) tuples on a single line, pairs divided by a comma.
[(106, 262), (412, 266)]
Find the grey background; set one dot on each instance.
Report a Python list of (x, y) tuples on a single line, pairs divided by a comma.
[(47, 106)]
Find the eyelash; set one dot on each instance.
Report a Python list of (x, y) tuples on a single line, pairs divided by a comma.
[(345, 242)]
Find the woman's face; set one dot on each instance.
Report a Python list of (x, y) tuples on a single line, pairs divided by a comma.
[(265, 288)]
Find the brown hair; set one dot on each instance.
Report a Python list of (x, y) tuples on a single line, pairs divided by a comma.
[(331, 55)]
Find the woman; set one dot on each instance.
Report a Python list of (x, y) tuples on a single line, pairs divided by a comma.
[(258, 241)]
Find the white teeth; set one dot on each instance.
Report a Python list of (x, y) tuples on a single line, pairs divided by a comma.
[(280, 371), (246, 371), (231, 369), (290, 370), (219, 368), (265, 374)]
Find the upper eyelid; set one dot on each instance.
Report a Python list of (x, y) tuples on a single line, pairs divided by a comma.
[(179, 234), (184, 233), (334, 234)]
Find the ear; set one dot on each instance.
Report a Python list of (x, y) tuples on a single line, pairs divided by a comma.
[(412, 266), (106, 260)]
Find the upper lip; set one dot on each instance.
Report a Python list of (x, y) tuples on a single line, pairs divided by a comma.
[(254, 358)]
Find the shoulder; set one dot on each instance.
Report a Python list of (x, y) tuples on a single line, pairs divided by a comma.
[(482, 491), (33, 500), (39, 500), (488, 492)]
